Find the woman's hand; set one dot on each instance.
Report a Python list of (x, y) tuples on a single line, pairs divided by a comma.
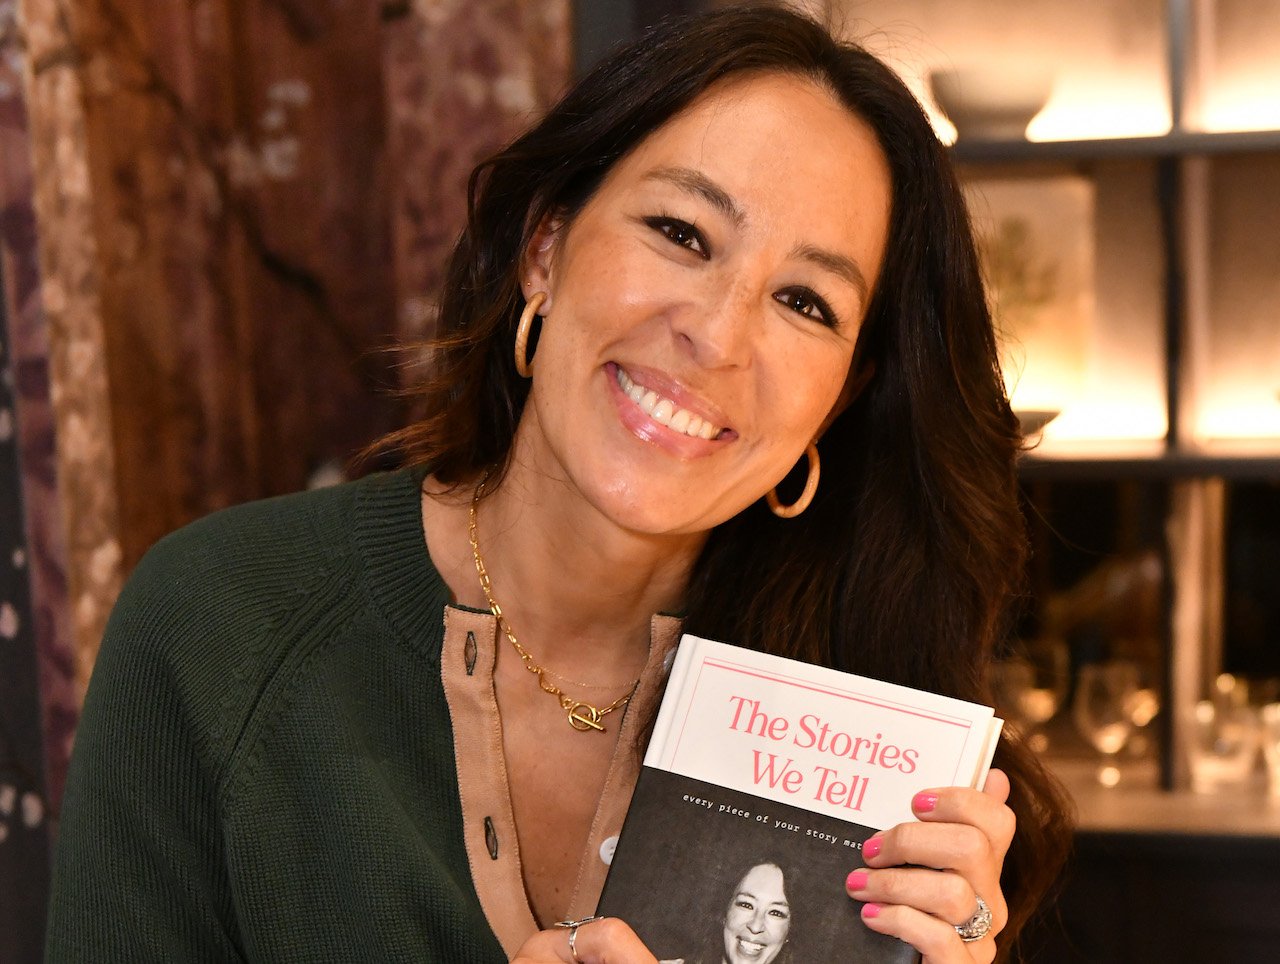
[(604, 941), (963, 835)]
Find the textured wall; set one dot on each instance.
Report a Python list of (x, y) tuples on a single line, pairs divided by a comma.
[(239, 203), (56, 324), (238, 172), (234, 206), (36, 651), (462, 79)]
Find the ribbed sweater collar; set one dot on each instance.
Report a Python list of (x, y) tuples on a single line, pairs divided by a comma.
[(401, 579)]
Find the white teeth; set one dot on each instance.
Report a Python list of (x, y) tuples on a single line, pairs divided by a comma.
[(664, 411)]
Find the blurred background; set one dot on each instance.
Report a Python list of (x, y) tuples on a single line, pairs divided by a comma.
[(216, 216)]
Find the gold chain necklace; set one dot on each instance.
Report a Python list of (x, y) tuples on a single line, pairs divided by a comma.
[(582, 715)]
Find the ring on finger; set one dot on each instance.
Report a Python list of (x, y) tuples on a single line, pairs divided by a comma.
[(976, 927), (572, 926)]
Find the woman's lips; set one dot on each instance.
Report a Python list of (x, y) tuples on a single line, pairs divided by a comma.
[(664, 410), (657, 409), (750, 948)]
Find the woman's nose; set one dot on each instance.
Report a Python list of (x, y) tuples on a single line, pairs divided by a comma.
[(756, 923), (718, 330)]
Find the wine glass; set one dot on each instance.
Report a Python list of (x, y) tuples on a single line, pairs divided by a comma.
[(1030, 687), (1223, 744), (1102, 711), (1011, 680)]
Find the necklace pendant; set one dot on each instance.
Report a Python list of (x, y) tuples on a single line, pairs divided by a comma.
[(584, 716)]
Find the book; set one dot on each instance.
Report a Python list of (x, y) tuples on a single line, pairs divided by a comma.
[(762, 779)]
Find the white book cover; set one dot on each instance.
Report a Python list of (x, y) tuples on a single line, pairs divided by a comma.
[(761, 781), (854, 748)]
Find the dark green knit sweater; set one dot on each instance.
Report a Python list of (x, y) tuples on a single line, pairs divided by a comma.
[(265, 770)]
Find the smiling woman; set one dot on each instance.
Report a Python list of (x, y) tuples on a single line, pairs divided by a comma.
[(702, 276), (733, 254), (755, 921)]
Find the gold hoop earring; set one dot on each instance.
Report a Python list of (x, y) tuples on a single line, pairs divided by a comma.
[(522, 333), (810, 487)]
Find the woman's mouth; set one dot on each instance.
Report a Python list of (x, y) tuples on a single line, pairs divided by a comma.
[(749, 948), (664, 411)]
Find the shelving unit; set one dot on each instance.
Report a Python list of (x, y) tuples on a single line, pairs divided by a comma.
[(1180, 169), (1173, 145), (1234, 463), (1145, 846)]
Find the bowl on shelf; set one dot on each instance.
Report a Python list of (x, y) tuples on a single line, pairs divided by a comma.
[(991, 102), (1033, 421)]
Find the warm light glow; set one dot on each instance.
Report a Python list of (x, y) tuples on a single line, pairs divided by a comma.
[(1239, 412), (945, 130), (1095, 107), (1254, 108), (1241, 92), (1133, 416), (1049, 387)]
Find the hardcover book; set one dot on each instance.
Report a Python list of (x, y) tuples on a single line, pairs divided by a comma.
[(762, 779)]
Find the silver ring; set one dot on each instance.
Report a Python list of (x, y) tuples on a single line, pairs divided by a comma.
[(572, 926), (976, 927)]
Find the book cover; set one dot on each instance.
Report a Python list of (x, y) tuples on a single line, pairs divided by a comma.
[(762, 779)]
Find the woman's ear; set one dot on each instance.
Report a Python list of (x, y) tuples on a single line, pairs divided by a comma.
[(538, 263)]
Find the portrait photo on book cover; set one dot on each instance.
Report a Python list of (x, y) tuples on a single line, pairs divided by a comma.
[(709, 875)]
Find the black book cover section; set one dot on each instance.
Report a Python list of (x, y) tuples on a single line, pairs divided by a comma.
[(685, 848)]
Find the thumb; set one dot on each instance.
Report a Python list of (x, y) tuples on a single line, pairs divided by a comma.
[(997, 786)]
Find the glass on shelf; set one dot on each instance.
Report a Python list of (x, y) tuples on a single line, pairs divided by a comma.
[(1030, 687), (1222, 743), (1270, 720), (1103, 711)]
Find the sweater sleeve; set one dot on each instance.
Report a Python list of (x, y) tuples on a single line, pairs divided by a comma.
[(140, 873)]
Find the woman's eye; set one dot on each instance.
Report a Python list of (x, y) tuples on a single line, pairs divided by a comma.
[(780, 914), (745, 904), (680, 232), (808, 303)]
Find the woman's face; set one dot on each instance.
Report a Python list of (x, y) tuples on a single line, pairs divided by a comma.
[(703, 305), (759, 918)]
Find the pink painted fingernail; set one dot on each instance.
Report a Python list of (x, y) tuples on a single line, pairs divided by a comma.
[(856, 880), (924, 802), (871, 847), (870, 910)]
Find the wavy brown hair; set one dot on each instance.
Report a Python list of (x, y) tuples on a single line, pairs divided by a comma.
[(906, 563)]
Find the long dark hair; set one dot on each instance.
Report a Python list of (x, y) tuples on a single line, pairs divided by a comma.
[(905, 564)]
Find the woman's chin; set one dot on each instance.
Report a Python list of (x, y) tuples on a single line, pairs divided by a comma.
[(658, 510)]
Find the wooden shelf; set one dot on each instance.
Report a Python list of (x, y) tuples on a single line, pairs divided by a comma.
[(1153, 460), (1175, 144), (1139, 806)]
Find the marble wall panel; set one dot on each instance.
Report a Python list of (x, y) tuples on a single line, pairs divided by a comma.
[(239, 176), (462, 79), (42, 553), (240, 204), (77, 360)]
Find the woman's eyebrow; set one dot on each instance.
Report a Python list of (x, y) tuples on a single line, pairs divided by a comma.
[(695, 182), (837, 264)]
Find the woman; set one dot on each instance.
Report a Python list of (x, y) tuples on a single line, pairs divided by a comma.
[(748, 253), (753, 922), (758, 918)]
